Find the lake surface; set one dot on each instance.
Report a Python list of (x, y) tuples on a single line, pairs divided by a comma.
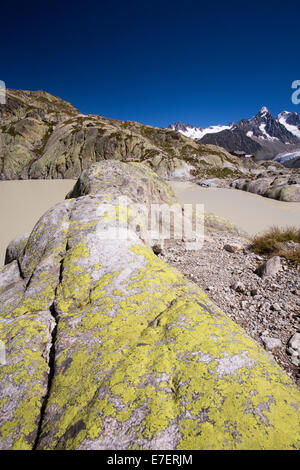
[(22, 203), (250, 212)]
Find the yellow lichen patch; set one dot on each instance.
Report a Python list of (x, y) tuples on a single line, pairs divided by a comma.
[(27, 370), (142, 357), (76, 283), (26, 332), (165, 356)]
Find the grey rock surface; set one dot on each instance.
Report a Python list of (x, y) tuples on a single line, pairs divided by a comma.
[(92, 304), (270, 267)]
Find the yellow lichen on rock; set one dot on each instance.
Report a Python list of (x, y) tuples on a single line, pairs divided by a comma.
[(142, 359)]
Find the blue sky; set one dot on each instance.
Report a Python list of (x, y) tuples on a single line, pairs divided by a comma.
[(155, 62)]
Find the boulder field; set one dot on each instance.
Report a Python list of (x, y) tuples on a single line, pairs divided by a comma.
[(284, 188), (108, 347)]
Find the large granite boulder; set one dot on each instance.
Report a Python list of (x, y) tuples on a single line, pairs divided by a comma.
[(290, 193), (108, 347)]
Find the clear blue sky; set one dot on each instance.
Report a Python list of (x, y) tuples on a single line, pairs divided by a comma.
[(155, 62)]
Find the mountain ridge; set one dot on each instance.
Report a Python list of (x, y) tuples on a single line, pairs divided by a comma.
[(43, 136), (264, 135)]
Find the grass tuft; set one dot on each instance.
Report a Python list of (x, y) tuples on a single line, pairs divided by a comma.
[(273, 243)]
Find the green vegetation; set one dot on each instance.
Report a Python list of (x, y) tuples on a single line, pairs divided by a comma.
[(44, 140), (215, 172), (221, 172), (11, 131), (70, 121), (293, 256), (274, 242)]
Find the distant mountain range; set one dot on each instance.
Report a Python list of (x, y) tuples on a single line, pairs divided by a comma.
[(264, 136)]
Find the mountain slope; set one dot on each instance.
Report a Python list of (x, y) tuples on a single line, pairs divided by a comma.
[(42, 136), (291, 121), (233, 140), (264, 126)]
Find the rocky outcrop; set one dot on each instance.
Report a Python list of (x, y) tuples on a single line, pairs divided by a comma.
[(108, 347), (42, 136), (290, 193), (15, 248), (282, 187)]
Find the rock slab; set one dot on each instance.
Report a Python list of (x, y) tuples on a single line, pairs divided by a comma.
[(108, 347)]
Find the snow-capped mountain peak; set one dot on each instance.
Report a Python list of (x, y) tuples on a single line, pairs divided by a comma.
[(198, 132), (264, 126), (263, 134), (262, 115), (284, 114), (264, 111)]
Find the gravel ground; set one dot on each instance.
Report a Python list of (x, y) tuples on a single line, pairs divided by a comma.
[(267, 308)]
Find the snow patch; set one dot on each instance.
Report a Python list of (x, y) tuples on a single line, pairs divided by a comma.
[(266, 136), (293, 129), (199, 132), (284, 157)]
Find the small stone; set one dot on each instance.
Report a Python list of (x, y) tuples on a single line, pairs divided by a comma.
[(265, 333), (232, 247), (238, 287), (157, 249), (294, 360), (290, 351), (265, 306), (269, 268), (294, 342), (276, 307), (294, 349), (271, 344)]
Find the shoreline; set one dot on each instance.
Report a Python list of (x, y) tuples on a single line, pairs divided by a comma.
[(250, 212), (23, 202)]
